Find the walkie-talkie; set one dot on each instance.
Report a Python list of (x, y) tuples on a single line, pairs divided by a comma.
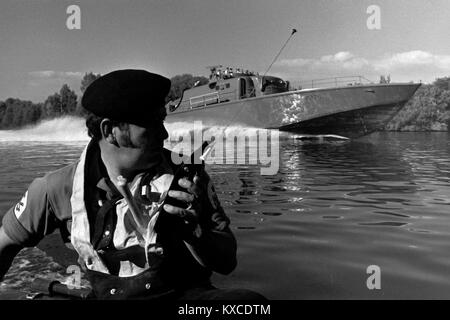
[(189, 171)]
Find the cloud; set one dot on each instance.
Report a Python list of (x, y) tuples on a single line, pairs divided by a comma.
[(410, 64), (295, 62), (338, 57), (414, 58), (42, 74), (47, 74), (345, 59)]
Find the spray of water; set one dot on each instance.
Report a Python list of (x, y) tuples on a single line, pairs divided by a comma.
[(65, 129), (73, 129)]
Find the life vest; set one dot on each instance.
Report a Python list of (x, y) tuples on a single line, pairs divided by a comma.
[(163, 250)]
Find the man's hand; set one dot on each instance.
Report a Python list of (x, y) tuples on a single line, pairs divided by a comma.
[(202, 210), (206, 226), (192, 214)]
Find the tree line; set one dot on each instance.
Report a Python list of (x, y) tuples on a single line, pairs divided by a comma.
[(427, 110), (16, 113)]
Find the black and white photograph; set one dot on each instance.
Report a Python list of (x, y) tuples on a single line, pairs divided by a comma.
[(209, 150)]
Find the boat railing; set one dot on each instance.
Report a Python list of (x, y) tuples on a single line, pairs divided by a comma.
[(329, 82), (202, 100)]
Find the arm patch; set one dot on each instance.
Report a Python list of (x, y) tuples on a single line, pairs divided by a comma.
[(21, 206)]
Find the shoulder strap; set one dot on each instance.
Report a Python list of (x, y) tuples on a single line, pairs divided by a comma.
[(105, 221)]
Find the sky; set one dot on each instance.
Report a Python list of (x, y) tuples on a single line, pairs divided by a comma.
[(39, 53)]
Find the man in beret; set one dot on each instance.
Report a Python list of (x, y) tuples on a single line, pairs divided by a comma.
[(110, 205)]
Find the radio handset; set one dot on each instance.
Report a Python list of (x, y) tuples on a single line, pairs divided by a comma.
[(189, 170)]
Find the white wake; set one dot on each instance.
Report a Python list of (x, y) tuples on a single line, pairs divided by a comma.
[(65, 129)]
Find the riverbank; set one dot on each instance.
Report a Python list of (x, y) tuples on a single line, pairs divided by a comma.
[(427, 110)]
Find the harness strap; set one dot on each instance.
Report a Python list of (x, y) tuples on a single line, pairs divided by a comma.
[(104, 224)]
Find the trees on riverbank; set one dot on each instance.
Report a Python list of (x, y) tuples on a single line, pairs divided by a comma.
[(427, 110), (182, 82), (16, 113)]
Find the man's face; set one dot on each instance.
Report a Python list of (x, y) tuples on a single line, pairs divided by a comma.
[(142, 146)]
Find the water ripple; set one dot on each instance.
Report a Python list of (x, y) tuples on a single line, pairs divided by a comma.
[(332, 210)]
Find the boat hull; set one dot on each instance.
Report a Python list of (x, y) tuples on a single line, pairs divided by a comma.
[(350, 111)]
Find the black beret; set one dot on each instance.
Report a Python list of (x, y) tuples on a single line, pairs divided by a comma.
[(132, 96)]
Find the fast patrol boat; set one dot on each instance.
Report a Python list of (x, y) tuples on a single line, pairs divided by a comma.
[(344, 106)]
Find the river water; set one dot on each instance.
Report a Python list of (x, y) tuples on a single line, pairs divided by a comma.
[(311, 230)]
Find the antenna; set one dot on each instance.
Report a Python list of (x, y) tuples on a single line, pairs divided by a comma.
[(276, 57), (209, 146)]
